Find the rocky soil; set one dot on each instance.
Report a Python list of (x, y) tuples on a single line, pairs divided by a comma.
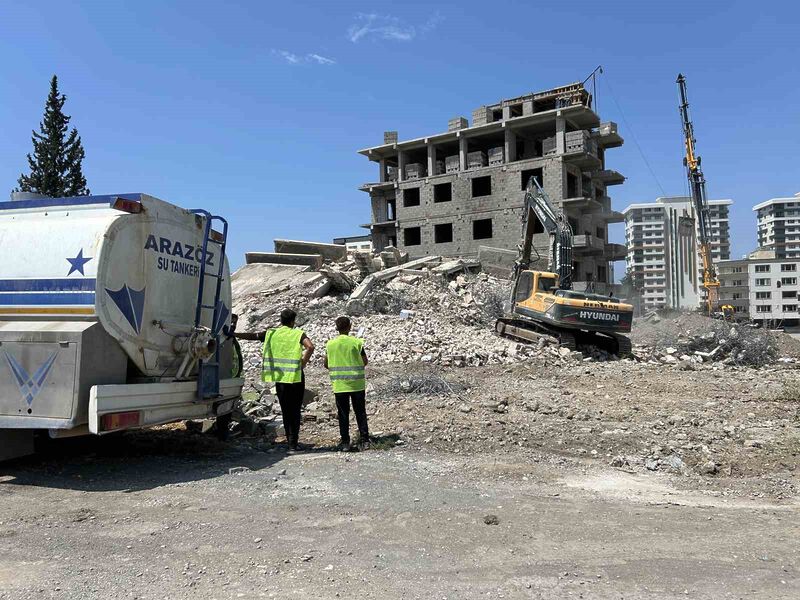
[(715, 404)]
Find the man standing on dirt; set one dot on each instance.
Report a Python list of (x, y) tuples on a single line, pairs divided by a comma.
[(345, 359), (286, 352)]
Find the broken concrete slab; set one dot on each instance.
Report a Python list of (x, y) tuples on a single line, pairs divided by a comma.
[(341, 282), (319, 286), (282, 258), (392, 257), (253, 278), (455, 266), (332, 252), (497, 261), (370, 280)]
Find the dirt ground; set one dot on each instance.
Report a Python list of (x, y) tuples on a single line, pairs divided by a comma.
[(599, 478)]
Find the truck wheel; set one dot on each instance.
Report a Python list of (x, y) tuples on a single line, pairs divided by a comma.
[(237, 363), (222, 426)]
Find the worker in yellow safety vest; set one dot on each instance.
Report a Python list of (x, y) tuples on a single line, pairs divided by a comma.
[(345, 359), (286, 351)]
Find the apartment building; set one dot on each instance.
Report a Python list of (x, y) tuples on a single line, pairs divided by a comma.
[(661, 241), (762, 287), (779, 226), (451, 193), (355, 243)]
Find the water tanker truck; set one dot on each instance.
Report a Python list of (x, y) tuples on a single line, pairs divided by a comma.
[(115, 313)]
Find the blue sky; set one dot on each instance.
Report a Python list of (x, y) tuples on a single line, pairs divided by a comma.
[(255, 110)]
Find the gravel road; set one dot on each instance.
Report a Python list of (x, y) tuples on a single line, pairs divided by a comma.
[(159, 515)]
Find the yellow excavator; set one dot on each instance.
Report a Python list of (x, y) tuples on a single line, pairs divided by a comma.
[(543, 302)]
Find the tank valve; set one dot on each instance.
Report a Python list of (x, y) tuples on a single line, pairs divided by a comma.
[(200, 346)]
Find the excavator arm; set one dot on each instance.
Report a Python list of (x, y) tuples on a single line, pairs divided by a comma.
[(538, 207), (697, 185)]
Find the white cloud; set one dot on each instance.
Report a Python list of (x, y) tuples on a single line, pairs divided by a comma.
[(296, 59), (290, 58), (321, 59), (386, 27)]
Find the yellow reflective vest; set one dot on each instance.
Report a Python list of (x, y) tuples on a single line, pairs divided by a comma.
[(282, 355), (345, 364)]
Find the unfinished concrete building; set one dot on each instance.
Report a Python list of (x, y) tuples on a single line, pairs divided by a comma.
[(451, 193)]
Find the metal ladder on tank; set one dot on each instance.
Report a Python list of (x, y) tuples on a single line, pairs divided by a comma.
[(208, 370)]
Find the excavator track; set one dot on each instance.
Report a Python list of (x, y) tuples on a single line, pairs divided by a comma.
[(530, 331), (624, 346)]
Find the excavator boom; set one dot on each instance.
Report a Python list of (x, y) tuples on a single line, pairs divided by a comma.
[(538, 207)]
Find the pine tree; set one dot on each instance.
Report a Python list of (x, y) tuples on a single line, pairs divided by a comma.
[(55, 166)]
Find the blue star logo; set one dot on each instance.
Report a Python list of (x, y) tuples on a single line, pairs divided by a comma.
[(76, 264)]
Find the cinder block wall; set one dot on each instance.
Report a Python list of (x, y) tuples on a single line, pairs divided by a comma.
[(503, 206)]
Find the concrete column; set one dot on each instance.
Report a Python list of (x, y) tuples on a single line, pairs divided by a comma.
[(383, 170), (511, 146), (506, 112), (527, 108), (401, 166), (431, 159), (561, 128), (462, 153)]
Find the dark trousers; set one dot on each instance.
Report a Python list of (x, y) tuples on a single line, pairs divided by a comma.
[(343, 411), (290, 397)]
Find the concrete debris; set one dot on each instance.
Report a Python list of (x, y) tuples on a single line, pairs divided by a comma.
[(366, 284), (314, 261), (694, 338), (329, 252), (426, 384)]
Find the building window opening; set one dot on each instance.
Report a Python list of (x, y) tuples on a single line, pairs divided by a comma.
[(482, 229), (411, 197), (443, 233), (443, 192), (412, 236), (572, 186), (527, 174), (481, 186)]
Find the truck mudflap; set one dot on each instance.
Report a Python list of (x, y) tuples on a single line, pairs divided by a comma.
[(130, 406), (598, 319)]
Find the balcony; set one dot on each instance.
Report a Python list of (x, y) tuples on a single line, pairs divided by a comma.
[(369, 187), (580, 202), (615, 252), (607, 136), (580, 149), (609, 177), (588, 244)]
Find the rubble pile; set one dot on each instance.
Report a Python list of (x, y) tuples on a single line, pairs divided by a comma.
[(410, 318), (690, 338)]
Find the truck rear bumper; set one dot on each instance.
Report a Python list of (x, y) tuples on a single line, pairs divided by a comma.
[(158, 403)]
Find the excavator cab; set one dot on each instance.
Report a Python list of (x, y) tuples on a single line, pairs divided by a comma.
[(532, 282)]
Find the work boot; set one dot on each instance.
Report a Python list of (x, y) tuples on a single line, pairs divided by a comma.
[(364, 444), (344, 446)]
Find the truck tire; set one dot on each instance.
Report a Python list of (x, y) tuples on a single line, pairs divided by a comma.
[(222, 426), (237, 365)]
